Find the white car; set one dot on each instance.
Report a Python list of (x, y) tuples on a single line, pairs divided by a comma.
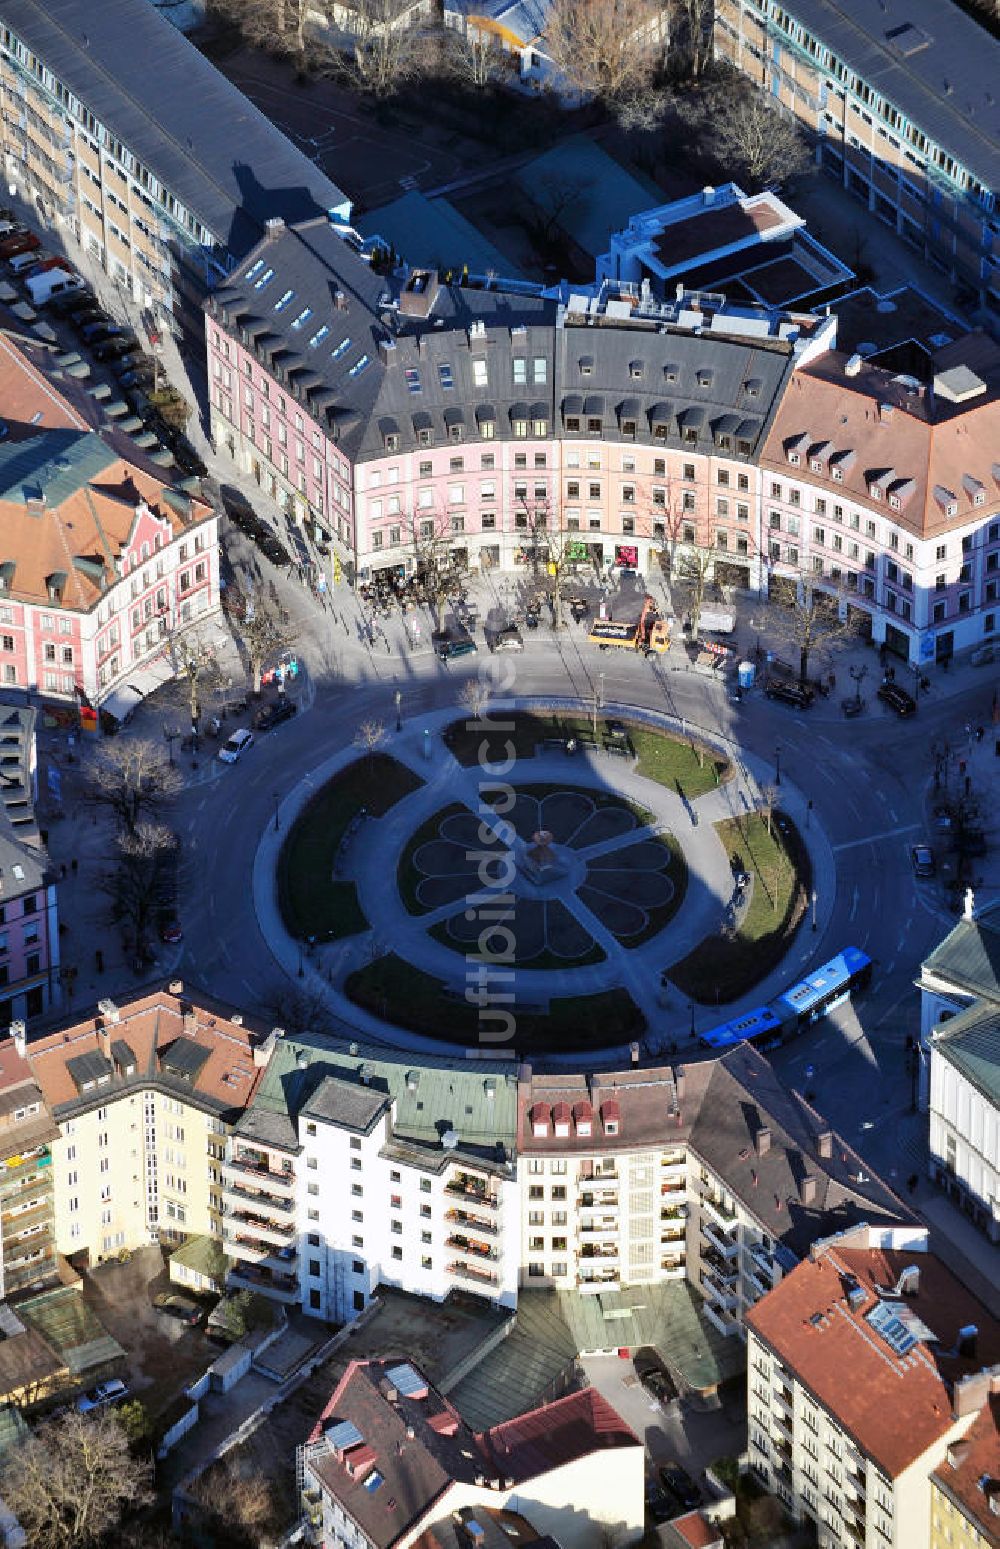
[(109, 1392), (235, 745)]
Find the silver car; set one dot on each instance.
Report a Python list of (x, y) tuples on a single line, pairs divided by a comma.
[(235, 745)]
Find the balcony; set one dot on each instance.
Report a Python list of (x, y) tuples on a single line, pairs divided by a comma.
[(725, 1270), (598, 1199), (590, 1229), (19, 1166), (475, 1190), (672, 1230), (606, 1280), (245, 1244), (782, 1423), (241, 1169), (479, 1252), (248, 1277), (784, 1398), (473, 1222), (727, 1246), (672, 1268), (856, 1480), (724, 1321), (279, 1232), (474, 1274), (256, 1199), (19, 1274), (723, 1297), (593, 1250), (716, 1211)]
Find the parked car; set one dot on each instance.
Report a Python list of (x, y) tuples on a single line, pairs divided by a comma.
[(897, 699), (141, 375), (983, 655), (110, 349), (788, 692), (180, 1307), (19, 242), (677, 1482), (269, 716), (658, 1507), (110, 1392), (653, 1374), (922, 859), (448, 647), (170, 930), (507, 639), (235, 745), (65, 306)]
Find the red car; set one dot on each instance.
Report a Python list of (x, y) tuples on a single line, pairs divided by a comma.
[(170, 932), (20, 242)]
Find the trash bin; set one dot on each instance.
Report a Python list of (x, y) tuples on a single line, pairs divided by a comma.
[(745, 674)]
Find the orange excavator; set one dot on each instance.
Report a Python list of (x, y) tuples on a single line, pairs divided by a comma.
[(651, 633)]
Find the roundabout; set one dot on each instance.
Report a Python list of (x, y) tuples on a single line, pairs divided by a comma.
[(557, 903)]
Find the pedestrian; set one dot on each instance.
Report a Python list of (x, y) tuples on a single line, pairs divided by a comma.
[(980, 733), (99, 960), (968, 785), (75, 865), (62, 868), (911, 1182)]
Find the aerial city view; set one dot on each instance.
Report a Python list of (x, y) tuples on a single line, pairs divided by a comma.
[(500, 807)]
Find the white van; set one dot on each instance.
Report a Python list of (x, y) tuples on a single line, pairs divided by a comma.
[(52, 282)]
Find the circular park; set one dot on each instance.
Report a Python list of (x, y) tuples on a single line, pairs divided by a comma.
[(615, 873)]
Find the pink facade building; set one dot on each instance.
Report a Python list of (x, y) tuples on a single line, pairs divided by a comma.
[(104, 560), (613, 429)]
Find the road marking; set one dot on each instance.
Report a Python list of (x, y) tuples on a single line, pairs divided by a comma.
[(888, 833), (855, 900)]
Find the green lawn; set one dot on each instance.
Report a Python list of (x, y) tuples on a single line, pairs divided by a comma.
[(313, 901), (660, 915), (722, 968), (685, 765), (398, 992)]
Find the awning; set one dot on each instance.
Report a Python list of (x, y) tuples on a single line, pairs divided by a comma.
[(725, 425), (594, 405), (661, 414), (628, 409), (123, 700), (694, 414), (422, 420), (485, 411), (519, 411), (453, 415), (572, 404)]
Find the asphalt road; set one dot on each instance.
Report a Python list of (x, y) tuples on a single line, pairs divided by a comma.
[(869, 782)]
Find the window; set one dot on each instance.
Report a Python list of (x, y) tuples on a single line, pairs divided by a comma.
[(479, 377)]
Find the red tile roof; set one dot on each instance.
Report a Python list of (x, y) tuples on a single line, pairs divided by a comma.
[(558, 1433), (696, 1530), (973, 1479), (895, 1406)]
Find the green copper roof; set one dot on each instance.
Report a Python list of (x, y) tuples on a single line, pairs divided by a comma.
[(52, 465), (971, 1042)]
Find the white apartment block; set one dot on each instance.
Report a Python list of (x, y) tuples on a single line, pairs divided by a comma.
[(863, 1365)]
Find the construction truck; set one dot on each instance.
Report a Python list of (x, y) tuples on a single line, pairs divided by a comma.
[(649, 634)]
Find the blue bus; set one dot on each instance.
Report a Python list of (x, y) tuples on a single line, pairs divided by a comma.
[(761, 1027), (805, 1002), (824, 989)]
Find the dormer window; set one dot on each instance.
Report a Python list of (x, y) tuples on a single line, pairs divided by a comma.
[(704, 378), (837, 474), (628, 429), (392, 443), (572, 422), (424, 437), (793, 458), (635, 370), (540, 1115), (594, 426), (875, 491), (951, 509), (586, 366), (816, 465)]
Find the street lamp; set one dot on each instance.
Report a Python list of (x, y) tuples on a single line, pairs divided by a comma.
[(777, 765), (399, 718), (170, 738), (691, 1009), (858, 674), (277, 821), (814, 908), (601, 679)]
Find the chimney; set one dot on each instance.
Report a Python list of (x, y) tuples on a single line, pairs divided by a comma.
[(104, 1040), (762, 1140), (633, 1050), (853, 366), (824, 1144), (708, 194), (109, 1011), (968, 1338), (969, 907), (807, 1190), (680, 1082), (190, 1021), (957, 1453), (970, 1393), (419, 293), (176, 987), (19, 1033), (274, 227)]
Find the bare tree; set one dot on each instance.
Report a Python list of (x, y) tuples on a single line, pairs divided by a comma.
[(807, 616), (385, 52), (434, 562), (133, 780), (298, 1009), (276, 25), (475, 696), (693, 569), (197, 674), (370, 735), (261, 633), (691, 34), (740, 125), (552, 199), (136, 886), (70, 1483), (605, 48), (763, 144), (476, 58)]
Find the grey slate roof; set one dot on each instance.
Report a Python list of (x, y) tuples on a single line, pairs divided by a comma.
[(341, 1102), (947, 88), (17, 795), (971, 1042), (200, 136), (969, 956), (744, 1095)]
